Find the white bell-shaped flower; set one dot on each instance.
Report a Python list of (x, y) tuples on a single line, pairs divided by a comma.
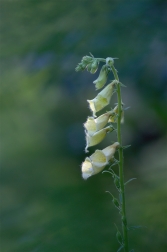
[(98, 160), (95, 124), (102, 99), (97, 137)]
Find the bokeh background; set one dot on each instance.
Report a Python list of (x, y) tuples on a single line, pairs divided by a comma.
[(45, 204)]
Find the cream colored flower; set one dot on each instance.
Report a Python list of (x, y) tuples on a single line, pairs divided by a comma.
[(98, 160), (102, 99), (113, 118), (110, 150), (92, 125), (97, 137)]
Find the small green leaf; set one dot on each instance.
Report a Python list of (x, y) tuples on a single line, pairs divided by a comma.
[(116, 182), (107, 171), (116, 203), (91, 54), (122, 246), (109, 193), (129, 180), (125, 147), (121, 84), (135, 227), (115, 163), (111, 171), (126, 108), (114, 200), (119, 237)]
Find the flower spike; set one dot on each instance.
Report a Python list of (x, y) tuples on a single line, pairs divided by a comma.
[(95, 133)]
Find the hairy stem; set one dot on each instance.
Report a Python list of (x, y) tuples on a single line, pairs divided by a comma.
[(101, 59), (121, 174)]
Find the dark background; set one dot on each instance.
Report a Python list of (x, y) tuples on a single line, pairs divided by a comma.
[(45, 204)]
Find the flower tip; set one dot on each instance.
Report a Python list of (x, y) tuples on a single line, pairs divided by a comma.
[(109, 61), (85, 176), (116, 145)]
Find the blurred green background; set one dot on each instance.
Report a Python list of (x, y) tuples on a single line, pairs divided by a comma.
[(45, 204)]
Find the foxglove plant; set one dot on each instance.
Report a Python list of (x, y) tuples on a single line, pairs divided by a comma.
[(96, 130)]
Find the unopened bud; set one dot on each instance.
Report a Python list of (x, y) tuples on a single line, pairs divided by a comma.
[(109, 61), (94, 66), (116, 203), (87, 59), (101, 80), (119, 237), (117, 183), (80, 67), (114, 117)]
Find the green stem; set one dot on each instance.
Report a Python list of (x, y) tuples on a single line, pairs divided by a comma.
[(101, 59), (121, 174)]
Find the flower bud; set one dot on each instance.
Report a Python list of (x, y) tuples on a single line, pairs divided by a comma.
[(97, 137), (113, 118), (80, 67), (87, 59), (119, 237), (101, 80), (109, 61), (98, 160), (117, 183), (92, 125), (89, 67), (116, 203), (94, 66), (102, 99)]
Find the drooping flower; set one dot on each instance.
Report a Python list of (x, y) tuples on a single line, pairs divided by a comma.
[(102, 99), (98, 160), (95, 124), (101, 80), (97, 137)]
